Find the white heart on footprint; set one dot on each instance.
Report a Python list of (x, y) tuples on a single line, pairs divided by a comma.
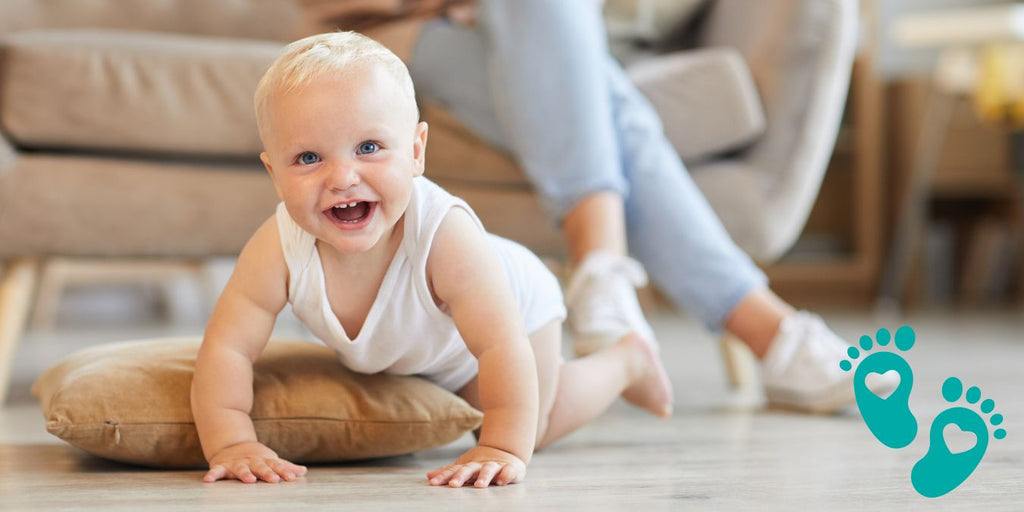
[(875, 381), (957, 439)]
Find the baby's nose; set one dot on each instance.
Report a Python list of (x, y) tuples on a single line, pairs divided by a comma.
[(343, 176)]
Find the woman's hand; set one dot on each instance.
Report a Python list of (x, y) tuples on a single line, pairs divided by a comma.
[(480, 466)]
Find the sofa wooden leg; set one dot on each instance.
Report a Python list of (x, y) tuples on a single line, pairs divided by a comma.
[(17, 283), (740, 363)]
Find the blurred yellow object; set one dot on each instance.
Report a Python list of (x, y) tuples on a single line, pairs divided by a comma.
[(999, 92)]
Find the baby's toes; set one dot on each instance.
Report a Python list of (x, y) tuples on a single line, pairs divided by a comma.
[(652, 390)]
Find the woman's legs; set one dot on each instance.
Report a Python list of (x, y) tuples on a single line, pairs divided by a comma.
[(525, 80), (515, 80), (757, 318), (675, 233), (596, 223), (534, 78), (550, 67)]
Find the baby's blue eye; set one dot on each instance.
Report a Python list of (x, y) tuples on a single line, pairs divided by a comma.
[(309, 158), (368, 147)]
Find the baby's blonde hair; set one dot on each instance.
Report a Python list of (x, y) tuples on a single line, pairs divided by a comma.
[(317, 56)]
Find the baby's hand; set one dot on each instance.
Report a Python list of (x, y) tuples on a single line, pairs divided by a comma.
[(482, 465), (250, 462)]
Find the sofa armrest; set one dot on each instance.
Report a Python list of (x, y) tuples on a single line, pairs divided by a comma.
[(800, 53), (706, 99), (277, 20)]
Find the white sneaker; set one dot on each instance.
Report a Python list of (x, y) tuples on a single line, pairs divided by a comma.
[(602, 303), (801, 368)]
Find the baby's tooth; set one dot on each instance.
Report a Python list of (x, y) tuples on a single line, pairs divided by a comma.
[(353, 203)]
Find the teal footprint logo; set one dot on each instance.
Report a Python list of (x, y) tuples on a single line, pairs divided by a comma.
[(941, 470), (889, 418)]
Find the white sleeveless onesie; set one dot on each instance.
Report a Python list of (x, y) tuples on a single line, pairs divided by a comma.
[(405, 332)]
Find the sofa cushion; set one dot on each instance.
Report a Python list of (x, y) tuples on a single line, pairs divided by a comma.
[(132, 91), (706, 99), (130, 402), (279, 20), (75, 205), (455, 153)]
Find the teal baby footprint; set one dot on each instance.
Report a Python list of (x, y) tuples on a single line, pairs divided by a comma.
[(889, 418), (941, 470)]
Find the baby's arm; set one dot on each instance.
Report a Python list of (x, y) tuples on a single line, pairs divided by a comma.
[(467, 275), (237, 332)]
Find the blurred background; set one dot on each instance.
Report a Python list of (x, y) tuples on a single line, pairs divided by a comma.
[(129, 177)]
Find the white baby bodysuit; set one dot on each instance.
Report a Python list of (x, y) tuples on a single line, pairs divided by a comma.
[(405, 332)]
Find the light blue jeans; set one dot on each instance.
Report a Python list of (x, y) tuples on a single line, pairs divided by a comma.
[(534, 78)]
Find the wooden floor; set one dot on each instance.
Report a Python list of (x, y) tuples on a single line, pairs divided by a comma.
[(718, 452)]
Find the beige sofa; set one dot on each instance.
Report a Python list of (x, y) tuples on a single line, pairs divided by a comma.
[(126, 129)]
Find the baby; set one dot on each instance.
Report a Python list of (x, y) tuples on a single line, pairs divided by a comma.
[(397, 276)]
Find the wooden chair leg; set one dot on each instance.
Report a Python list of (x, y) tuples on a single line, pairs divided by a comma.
[(51, 282), (740, 363), (17, 283)]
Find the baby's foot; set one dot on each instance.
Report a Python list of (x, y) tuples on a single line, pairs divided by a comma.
[(941, 470), (650, 389), (888, 418)]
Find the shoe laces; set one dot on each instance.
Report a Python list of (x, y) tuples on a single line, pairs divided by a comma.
[(602, 293), (602, 264), (807, 336)]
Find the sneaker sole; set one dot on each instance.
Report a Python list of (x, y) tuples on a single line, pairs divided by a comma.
[(832, 401), (829, 402)]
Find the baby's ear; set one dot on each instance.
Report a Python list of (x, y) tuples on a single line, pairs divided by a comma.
[(419, 148), (270, 169)]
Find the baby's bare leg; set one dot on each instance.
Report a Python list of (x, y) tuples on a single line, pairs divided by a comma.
[(576, 392)]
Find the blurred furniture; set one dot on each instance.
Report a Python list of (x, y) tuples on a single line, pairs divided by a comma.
[(972, 63), (127, 129), (837, 258), (163, 276)]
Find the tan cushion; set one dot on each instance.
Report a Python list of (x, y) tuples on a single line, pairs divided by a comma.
[(512, 213), (455, 153), (706, 99), (490, 181), (89, 206), (130, 402), (280, 20), (119, 90)]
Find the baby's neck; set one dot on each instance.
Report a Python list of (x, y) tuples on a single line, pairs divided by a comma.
[(371, 262)]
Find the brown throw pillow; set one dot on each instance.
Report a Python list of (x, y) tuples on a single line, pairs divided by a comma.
[(130, 402)]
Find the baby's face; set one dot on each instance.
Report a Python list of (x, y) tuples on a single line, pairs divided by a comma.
[(343, 151)]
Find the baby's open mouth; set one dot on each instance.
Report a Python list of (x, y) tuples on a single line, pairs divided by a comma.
[(350, 212)]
